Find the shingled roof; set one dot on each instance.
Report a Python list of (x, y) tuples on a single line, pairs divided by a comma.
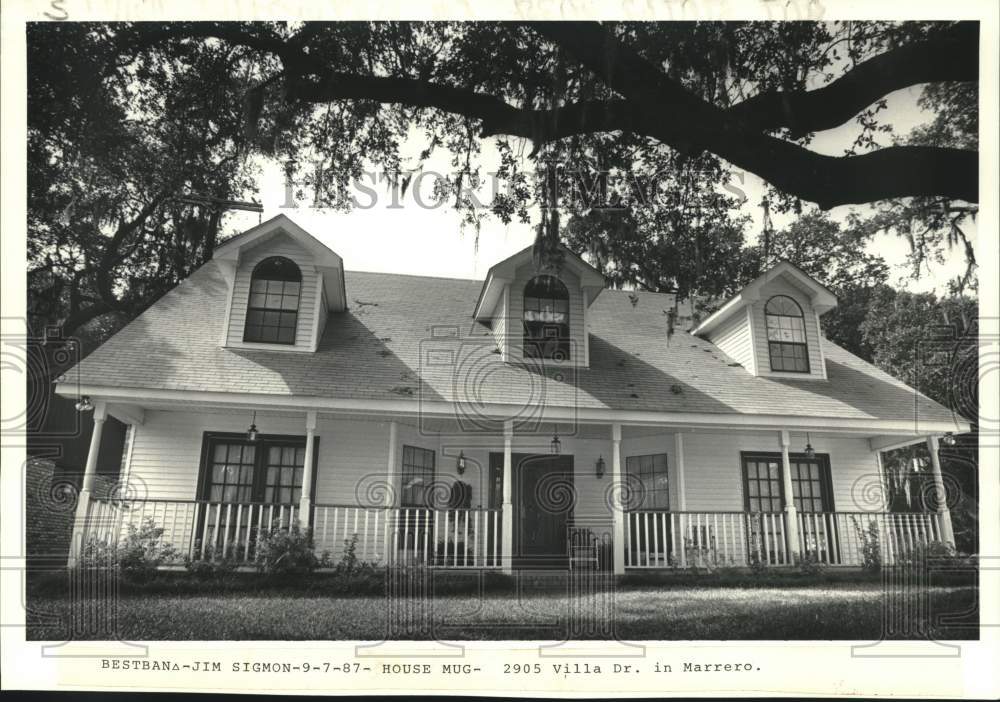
[(413, 337)]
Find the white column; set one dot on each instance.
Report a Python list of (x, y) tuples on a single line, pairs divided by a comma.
[(305, 501), (618, 507), (87, 485), (679, 451), (507, 507), (791, 514), (390, 467), (944, 514)]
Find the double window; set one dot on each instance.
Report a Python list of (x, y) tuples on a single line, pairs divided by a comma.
[(546, 319), (764, 491), (267, 470), (786, 335), (273, 309)]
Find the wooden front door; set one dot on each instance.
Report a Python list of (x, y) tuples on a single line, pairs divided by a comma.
[(543, 505)]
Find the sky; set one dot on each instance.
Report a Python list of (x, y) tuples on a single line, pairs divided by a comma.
[(405, 237)]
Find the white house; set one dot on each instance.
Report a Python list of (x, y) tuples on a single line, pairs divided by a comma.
[(531, 419)]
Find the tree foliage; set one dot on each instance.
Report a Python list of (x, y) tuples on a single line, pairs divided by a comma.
[(124, 118)]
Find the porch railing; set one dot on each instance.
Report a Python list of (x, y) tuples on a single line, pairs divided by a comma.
[(202, 530), (452, 538), (840, 538), (662, 539)]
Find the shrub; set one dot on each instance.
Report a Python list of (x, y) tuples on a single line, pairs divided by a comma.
[(349, 563), (871, 548), (136, 556), (286, 552), (810, 564)]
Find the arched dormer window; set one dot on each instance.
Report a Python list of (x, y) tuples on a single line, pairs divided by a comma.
[(273, 310), (786, 335), (546, 319)]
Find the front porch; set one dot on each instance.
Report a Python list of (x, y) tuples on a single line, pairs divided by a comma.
[(401, 491)]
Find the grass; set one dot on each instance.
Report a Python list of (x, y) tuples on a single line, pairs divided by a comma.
[(680, 611)]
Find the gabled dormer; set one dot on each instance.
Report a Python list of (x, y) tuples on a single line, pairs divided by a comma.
[(283, 282), (772, 326), (540, 314)]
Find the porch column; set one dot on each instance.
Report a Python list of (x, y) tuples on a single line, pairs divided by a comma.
[(944, 514), (390, 467), (617, 507), (507, 507), (681, 492), (791, 514), (305, 501), (87, 486)]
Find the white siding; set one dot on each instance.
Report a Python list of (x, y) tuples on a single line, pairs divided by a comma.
[(734, 339), (280, 245), (817, 368)]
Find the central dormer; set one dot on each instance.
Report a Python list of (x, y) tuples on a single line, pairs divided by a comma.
[(283, 282), (539, 314)]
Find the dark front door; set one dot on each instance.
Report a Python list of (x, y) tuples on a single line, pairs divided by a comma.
[(543, 505)]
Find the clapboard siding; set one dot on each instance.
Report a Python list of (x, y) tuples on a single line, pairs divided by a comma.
[(499, 325), (733, 337), (779, 287), (280, 245)]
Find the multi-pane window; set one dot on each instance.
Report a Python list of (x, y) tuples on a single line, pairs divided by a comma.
[(272, 313), (546, 319), (810, 485), (266, 470), (786, 335), (651, 484), (762, 484), (231, 473), (417, 477), (283, 479)]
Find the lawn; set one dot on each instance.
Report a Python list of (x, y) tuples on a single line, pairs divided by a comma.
[(839, 611)]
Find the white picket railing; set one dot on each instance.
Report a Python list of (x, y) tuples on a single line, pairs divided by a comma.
[(662, 539), (200, 530), (839, 538), (452, 538)]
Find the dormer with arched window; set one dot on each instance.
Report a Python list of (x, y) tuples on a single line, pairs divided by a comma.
[(283, 285), (540, 313), (771, 327)]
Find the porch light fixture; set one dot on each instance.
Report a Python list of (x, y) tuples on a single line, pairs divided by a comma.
[(252, 431), (555, 446), (600, 467), (810, 451), (948, 439), (84, 404), (460, 463)]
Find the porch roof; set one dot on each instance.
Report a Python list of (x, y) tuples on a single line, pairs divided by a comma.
[(380, 349)]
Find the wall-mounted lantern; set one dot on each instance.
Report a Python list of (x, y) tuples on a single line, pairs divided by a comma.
[(252, 431), (460, 463), (600, 467)]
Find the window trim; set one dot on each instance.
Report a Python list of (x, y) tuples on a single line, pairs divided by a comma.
[(826, 476), (803, 344), (402, 473), (666, 470), (259, 472), (251, 308), (562, 351)]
